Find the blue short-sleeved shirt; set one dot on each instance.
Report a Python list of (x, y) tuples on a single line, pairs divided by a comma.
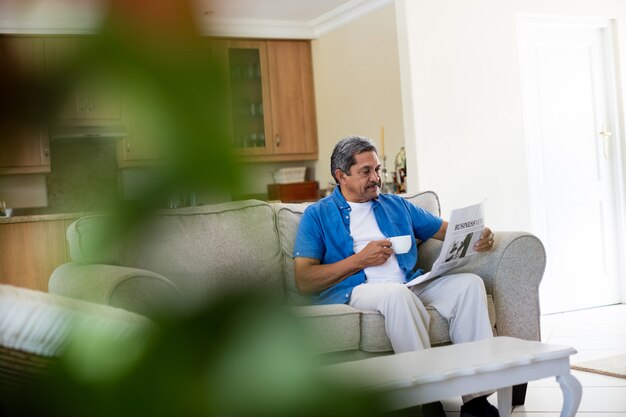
[(324, 234)]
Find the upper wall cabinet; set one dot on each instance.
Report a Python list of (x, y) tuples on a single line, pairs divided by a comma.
[(271, 99), (293, 106), (23, 149), (88, 99), (141, 146), (26, 151), (249, 96), (270, 106)]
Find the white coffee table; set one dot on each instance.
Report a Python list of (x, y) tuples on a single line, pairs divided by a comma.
[(497, 364)]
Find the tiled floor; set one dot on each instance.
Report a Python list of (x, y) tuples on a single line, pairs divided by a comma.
[(595, 333)]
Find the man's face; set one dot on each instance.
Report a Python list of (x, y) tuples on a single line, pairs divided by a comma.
[(363, 183)]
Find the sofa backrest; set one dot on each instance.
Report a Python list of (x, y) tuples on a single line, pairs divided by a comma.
[(428, 200), (209, 249), (288, 218), (203, 250)]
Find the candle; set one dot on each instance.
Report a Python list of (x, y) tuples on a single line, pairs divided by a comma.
[(382, 141)]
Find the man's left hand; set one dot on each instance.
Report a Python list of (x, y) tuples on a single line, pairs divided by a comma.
[(486, 241)]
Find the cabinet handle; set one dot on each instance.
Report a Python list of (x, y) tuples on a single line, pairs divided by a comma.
[(127, 146), (277, 141), (46, 150)]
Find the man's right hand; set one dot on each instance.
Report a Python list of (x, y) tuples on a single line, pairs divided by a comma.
[(312, 276), (375, 253)]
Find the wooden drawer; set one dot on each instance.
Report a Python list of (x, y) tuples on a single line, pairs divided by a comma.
[(295, 192)]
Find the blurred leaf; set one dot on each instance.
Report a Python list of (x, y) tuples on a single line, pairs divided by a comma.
[(244, 355)]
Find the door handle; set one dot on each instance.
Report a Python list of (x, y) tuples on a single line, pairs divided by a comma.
[(606, 135)]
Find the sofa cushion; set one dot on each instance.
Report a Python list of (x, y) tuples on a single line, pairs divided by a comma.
[(339, 327), (335, 327), (203, 250), (374, 337)]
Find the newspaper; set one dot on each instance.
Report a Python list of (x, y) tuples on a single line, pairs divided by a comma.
[(464, 228)]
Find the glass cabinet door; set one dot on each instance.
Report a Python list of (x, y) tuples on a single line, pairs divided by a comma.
[(249, 96)]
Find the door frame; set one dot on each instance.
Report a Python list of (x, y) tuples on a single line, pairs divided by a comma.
[(615, 112)]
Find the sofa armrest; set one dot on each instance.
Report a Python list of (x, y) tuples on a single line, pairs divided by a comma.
[(512, 272), (132, 289)]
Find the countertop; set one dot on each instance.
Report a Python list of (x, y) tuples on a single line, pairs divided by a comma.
[(42, 217)]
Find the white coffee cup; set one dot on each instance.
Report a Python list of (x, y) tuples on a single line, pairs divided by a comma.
[(400, 244)]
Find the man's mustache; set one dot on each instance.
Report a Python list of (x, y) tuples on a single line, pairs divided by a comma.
[(375, 183)]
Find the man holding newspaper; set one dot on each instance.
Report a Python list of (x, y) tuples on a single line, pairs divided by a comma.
[(343, 255)]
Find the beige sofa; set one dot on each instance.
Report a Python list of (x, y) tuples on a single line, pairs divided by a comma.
[(183, 257)]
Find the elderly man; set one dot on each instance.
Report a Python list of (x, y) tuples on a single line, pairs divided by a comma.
[(343, 255)]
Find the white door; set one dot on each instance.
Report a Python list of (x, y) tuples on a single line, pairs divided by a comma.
[(572, 136)]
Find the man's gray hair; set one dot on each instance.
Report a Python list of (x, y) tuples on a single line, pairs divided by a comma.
[(343, 156)]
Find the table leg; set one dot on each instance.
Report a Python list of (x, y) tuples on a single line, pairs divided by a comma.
[(572, 393), (505, 396)]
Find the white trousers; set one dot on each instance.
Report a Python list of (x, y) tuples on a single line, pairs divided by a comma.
[(460, 298)]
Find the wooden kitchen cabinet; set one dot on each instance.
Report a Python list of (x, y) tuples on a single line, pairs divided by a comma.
[(89, 99), (270, 105), (135, 151), (31, 250), (141, 146), (249, 96), (271, 99), (294, 125), (24, 149)]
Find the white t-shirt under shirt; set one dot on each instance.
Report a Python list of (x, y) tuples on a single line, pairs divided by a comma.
[(364, 229)]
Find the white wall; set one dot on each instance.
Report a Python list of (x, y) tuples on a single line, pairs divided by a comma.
[(19, 191), (464, 114), (357, 86)]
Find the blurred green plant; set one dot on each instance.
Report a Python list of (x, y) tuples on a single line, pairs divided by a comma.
[(168, 73), (243, 355), (151, 54)]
